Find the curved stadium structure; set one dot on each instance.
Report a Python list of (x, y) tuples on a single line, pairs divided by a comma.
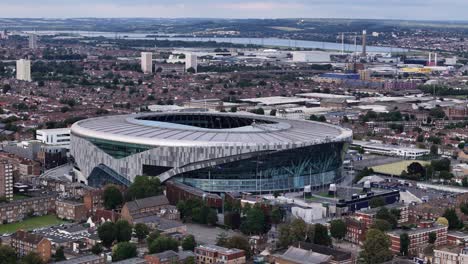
[(216, 152)]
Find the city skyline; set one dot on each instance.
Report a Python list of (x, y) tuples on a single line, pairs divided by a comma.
[(395, 9)]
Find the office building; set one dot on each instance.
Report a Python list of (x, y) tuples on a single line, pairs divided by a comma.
[(147, 62), (6, 180), (191, 62), (214, 152), (23, 70), (54, 137), (33, 41)]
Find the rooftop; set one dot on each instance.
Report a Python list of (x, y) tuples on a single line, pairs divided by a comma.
[(146, 129)]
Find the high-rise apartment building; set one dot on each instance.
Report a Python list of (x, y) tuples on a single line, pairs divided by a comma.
[(6, 180), (23, 70), (191, 61), (32, 41), (147, 62)]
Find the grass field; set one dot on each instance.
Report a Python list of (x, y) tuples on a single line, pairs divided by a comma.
[(397, 167), (31, 223), (18, 196)]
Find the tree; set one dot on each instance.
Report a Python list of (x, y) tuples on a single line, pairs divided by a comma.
[(404, 244), (321, 236), (432, 237), (141, 231), (442, 221), (7, 255), (212, 217), (452, 218), (276, 215), (416, 170), (254, 222), (112, 197), (376, 247), (389, 216), (106, 233), (377, 202), (232, 220), (32, 258), (273, 112), (284, 236), (189, 243), (381, 225), (123, 231), (152, 237), (221, 239), (161, 244), (338, 229), (143, 187), (96, 249), (434, 150), (124, 250), (59, 254), (322, 119), (298, 230), (239, 242)]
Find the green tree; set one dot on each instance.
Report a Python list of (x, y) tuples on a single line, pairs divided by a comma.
[(112, 197), (298, 230), (152, 237), (338, 229), (254, 222), (376, 247), (59, 254), (377, 202), (416, 171), (106, 233), (97, 249), (432, 237), (381, 225), (32, 258), (384, 214), (434, 150), (284, 236), (273, 112), (163, 243), (7, 255), (321, 236), (141, 231), (222, 239), (240, 242), (123, 231), (124, 250), (212, 217), (451, 215), (144, 186), (404, 244), (189, 243), (276, 215)]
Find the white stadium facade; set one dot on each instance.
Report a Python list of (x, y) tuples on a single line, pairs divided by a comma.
[(215, 152)]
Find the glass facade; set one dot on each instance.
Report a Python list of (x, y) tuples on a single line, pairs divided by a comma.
[(102, 175), (118, 150), (282, 170)]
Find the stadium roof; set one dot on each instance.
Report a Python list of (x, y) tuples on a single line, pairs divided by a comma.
[(202, 128)]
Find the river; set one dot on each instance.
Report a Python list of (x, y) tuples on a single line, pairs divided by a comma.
[(272, 42)]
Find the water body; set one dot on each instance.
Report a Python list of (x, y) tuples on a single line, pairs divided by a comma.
[(275, 42)]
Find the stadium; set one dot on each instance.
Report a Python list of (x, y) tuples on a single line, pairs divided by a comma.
[(215, 152)]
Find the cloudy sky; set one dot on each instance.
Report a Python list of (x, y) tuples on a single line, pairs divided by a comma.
[(388, 9)]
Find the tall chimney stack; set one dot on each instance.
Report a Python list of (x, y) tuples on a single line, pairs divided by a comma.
[(364, 37)]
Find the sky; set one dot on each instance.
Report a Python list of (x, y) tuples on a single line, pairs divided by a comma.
[(381, 9)]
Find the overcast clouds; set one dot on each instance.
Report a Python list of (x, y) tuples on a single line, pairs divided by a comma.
[(388, 9)]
